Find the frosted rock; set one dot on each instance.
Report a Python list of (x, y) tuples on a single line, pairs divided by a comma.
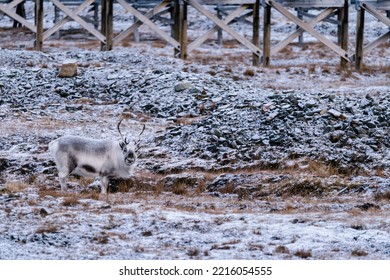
[(183, 86), (68, 69)]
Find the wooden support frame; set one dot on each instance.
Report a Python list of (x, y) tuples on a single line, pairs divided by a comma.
[(71, 14), (220, 24), (146, 19), (306, 26), (8, 10), (374, 9)]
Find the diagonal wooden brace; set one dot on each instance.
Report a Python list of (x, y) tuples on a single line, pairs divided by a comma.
[(7, 9), (66, 19), (210, 32), (225, 27), (149, 23), (376, 14), (73, 15), (320, 17), (156, 10), (308, 28)]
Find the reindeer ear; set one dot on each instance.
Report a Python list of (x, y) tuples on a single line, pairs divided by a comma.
[(123, 146)]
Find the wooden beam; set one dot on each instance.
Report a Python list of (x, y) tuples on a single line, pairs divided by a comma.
[(256, 32), (225, 27), (103, 23), (7, 9), (156, 10), (312, 3), (362, 49), (382, 39), (183, 30), (267, 35), (376, 13), (282, 44), (73, 15), (199, 41), (226, 2), (342, 53), (12, 4), (344, 12), (359, 40), (39, 24), (66, 19), (176, 23), (149, 23), (109, 25)]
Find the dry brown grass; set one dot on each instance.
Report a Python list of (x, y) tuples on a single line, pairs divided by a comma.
[(304, 254), (249, 72), (359, 253), (180, 189), (256, 247), (383, 196), (282, 250), (101, 239), (159, 44), (193, 252), (303, 187), (71, 200), (47, 229), (358, 226), (15, 186)]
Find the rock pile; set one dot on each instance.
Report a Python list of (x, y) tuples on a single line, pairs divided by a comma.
[(347, 132), (213, 119)]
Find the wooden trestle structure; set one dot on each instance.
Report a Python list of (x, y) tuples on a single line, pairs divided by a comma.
[(334, 11)]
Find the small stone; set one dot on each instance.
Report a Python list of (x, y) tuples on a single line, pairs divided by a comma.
[(336, 136), (44, 212), (68, 69), (311, 103), (112, 77), (183, 86), (335, 113), (268, 107), (272, 116)]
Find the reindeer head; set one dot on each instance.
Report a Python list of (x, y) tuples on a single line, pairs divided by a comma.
[(129, 151)]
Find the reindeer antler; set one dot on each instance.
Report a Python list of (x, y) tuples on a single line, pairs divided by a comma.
[(120, 133), (137, 143)]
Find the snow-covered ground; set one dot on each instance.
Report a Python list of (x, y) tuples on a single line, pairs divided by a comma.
[(286, 162)]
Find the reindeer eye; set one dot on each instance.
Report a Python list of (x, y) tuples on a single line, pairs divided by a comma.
[(123, 146)]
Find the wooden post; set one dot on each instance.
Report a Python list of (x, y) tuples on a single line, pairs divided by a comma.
[(104, 23), (219, 32), (300, 16), (183, 31), (256, 31), (109, 24), (344, 32), (176, 23), (20, 10), (39, 24), (359, 39), (136, 31), (96, 15), (267, 35)]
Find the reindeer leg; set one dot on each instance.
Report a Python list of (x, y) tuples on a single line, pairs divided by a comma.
[(103, 184), (64, 169), (62, 176)]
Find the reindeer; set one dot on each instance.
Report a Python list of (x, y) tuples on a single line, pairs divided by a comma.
[(94, 158)]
